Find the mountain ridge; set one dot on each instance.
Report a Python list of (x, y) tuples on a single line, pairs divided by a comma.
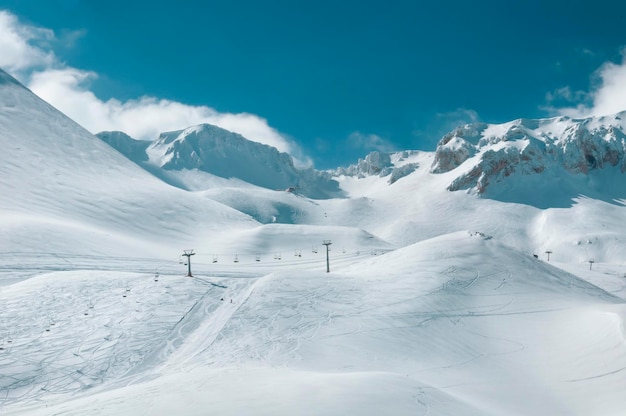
[(486, 155), (216, 151), (482, 158)]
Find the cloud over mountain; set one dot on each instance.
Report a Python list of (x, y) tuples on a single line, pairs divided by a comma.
[(606, 96), (68, 89)]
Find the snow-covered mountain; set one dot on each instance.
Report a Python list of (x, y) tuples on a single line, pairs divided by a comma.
[(57, 178), (211, 149), (563, 155), (391, 292), (567, 157)]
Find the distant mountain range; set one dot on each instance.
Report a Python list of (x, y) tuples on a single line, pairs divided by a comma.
[(565, 155), (60, 176)]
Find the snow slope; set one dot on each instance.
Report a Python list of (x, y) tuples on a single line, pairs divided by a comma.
[(434, 303), (67, 192), (58, 179), (454, 325)]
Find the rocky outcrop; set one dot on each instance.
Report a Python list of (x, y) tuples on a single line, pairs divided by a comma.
[(382, 165), (375, 163), (486, 154), (456, 147)]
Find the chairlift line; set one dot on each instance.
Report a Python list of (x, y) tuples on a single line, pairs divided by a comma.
[(300, 258)]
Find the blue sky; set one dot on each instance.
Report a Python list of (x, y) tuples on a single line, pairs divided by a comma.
[(327, 81)]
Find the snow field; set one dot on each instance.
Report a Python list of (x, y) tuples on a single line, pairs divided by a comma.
[(459, 324), (259, 391), (65, 332), (450, 322)]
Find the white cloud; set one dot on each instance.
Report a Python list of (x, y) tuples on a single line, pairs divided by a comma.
[(611, 96), (565, 94), (67, 89), (458, 117), (369, 142), (18, 44), (143, 118), (607, 96)]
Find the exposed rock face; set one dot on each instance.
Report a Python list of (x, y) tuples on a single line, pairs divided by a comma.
[(585, 149), (402, 171), (486, 154), (381, 164), (375, 163), (456, 147)]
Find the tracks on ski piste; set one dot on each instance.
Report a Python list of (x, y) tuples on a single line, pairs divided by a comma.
[(82, 330)]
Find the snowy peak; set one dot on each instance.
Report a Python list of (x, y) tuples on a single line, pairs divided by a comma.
[(219, 152), (65, 190), (485, 154), (213, 149)]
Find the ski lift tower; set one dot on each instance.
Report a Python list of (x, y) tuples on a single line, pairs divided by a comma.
[(548, 252), (188, 254), (327, 243)]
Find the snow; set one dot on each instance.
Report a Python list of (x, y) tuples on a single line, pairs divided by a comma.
[(432, 321), (434, 303), (210, 150), (571, 151)]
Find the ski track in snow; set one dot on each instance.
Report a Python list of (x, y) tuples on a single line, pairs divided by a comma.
[(215, 316), (128, 318), (95, 327), (89, 331)]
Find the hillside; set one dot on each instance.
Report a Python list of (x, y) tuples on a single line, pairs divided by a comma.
[(431, 298), (60, 180), (454, 325), (68, 192)]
